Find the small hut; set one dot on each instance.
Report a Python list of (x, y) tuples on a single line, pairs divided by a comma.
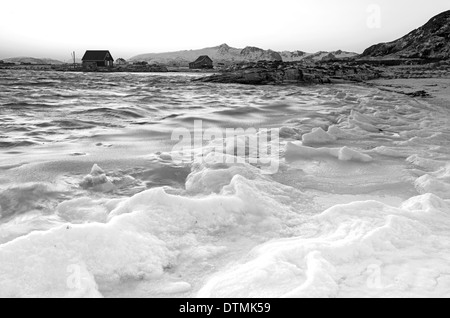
[(121, 61), (203, 62), (98, 58)]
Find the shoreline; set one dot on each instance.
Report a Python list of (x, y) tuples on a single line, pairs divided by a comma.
[(335, 72), (437, 89), (115, 69), (421, 81)]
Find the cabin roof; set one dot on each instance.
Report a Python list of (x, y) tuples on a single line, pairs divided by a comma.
[(92, 55), (203, 58)]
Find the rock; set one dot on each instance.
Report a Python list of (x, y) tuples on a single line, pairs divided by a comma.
[(97, 181), (250, 53), (293, 75), (431, 41), (418, 94), (278, 72)]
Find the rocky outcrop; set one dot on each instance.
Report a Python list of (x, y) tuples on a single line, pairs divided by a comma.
[(288, 56), (431, 41), (277, 72), (251, 53), (439, 69), (316, 57), (224, 49)]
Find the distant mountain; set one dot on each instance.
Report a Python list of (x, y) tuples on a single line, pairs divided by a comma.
[(227, 55), (31, 60), (70, 61), (429, 41), (219, 54), (319, 56), (251, 53)]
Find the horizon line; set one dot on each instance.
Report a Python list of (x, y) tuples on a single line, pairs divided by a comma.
[(182, 50)]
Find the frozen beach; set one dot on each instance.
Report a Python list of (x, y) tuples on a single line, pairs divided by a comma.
[(93, 204)]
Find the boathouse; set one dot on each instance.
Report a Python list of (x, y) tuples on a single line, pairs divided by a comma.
[(203, 62), (98, 58)]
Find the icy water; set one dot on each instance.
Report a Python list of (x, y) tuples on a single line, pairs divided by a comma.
[(92, 202)]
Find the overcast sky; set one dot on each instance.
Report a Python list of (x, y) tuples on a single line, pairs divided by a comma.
[(54, 28)]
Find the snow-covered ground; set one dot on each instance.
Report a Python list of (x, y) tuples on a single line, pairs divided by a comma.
[(359, 206)]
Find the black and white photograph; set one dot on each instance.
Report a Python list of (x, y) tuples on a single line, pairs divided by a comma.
[(199, 150)]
